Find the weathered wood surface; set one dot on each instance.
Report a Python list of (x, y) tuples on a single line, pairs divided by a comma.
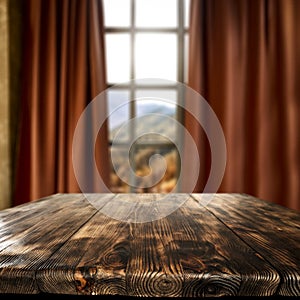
[(270, 230), (233, 245)]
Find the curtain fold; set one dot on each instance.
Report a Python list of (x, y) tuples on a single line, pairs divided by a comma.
[(244, 59), (63, 69)]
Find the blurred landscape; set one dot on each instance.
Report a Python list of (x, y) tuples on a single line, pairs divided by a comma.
[(152, 131)]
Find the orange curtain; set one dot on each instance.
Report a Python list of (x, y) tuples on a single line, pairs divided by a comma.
[(63, 69), (244, 59)]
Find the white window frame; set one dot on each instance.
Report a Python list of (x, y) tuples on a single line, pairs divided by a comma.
[(181, 32)]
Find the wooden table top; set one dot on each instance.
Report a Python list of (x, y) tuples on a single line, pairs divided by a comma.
[(235, 244)]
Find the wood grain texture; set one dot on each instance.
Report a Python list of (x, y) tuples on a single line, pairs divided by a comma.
[(269, 229), (92, 261), (215, 261), (235, 245), (37, 238)]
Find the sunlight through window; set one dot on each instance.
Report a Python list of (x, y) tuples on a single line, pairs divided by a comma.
[(145, 39)]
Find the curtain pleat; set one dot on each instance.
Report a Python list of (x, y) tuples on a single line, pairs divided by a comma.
[(244, 59), (63, 70)]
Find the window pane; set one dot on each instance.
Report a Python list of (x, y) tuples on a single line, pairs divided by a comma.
[(117, 13), (149, 182), (186, 57), (117, 56), (156, 13), (156, 100), (156, 56), (118, 108), (146, 181), (186, 13), (159, 128), (119, 170)]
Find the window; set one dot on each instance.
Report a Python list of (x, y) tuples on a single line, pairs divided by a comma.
[(144, 39)]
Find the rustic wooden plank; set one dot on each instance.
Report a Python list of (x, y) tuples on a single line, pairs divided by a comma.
[(102, 268), (156, 258), (271, 230), (208, 260), (102, 247), (20, 260), (96, 257), (214, 260), (156, 206), (22, 212), (93, 261), (29, 217), (154, 268), (25, 207)]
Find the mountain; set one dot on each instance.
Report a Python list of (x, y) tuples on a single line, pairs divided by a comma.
[(155, 121), (151, 116)]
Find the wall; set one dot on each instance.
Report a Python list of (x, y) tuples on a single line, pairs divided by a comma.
[(5, 175), (10, 61)]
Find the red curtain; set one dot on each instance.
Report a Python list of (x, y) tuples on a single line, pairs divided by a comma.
[(244, 59), (63, 69)]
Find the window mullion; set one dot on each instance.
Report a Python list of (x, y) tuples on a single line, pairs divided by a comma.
[(132, 95), (180, 79), (180, 36)]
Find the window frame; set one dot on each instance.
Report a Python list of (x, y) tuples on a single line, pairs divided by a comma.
[(181, 32)]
